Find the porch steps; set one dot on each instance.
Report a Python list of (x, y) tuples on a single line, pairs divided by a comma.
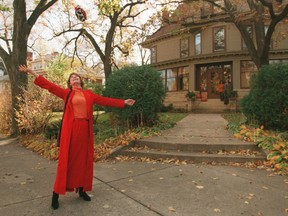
[(222, 151), (210, 106), (214, 106)]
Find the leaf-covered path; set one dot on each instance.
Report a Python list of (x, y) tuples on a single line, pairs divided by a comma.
[(129, 188)]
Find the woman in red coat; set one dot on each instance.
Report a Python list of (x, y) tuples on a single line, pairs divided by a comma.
[(75, 162)]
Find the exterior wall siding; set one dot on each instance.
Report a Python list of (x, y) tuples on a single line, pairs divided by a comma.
[(168, 50)]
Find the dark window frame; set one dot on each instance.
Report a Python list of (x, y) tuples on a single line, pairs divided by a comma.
[(195, 44), (153, 54), (213, 38)]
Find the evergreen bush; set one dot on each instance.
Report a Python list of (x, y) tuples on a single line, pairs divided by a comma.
[(141, 83), (267, 102)]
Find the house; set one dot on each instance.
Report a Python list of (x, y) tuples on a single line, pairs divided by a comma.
[(89, 75), (39, 64), (197, 54)]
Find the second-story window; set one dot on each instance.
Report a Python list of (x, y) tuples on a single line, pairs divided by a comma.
[(249, 30), (219, 39), (153, 54), (197, 43), (184, 47), (271, 42)]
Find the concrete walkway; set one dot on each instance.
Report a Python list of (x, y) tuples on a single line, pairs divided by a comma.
[(130, 188), (198, 138)]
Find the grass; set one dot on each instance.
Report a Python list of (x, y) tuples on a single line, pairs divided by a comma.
[(104, 130)]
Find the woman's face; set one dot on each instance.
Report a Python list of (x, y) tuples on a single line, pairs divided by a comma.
[(75, 80)]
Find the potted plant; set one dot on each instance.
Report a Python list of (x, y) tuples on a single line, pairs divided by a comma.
[(191, 96), (203, 89)]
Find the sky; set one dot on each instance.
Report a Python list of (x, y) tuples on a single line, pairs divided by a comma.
[(45, 46)]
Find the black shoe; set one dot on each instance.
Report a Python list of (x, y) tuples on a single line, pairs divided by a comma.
[(55, 203), (84, 195)]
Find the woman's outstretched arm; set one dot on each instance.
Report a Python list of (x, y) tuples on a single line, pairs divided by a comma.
[(44, 83)]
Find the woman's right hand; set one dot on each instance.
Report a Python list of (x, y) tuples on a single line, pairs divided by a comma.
[(23, 68)]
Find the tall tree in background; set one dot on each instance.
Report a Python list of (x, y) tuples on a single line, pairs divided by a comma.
[(262, 15), (15, 28), (106, 33)]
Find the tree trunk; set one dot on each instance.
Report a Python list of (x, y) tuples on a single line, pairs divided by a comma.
[(17, 57), (18, 54), (107, 68)]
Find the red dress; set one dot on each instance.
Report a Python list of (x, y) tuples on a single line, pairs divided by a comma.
[(77, 140)]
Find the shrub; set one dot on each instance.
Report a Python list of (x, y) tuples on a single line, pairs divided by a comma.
[(267, 102), (142, 84), (34, 110), (52, 129)]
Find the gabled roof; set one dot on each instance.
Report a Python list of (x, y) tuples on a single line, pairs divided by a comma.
[(185, 19)]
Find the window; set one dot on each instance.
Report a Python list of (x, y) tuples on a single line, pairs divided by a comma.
[(271, 42), (197, 43), (153, 54), (249, 30), (171, 79), (183, 78), (184, 47), (175, 79), (219, 39), (162, 76), (247, 69)]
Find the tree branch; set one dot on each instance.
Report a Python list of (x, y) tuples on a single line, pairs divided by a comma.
[(40, 8), (95, 44)]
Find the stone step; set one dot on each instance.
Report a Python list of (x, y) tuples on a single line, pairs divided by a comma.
[(197, 157), (196, 145)]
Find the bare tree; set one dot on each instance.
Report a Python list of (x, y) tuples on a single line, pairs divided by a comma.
[(14, 33), (108, 33)]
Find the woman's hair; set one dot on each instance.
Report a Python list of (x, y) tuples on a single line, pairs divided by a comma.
[(81, 81)]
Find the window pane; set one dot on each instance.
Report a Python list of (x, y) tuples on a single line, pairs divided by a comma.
[(219, 39), (184, 47), (249, 30), (197, 44), (183, 78), (248, 68), (163, 77), (171, 79), (153, 55)]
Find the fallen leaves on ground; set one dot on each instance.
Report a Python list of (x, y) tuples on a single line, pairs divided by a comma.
[(276, 146), (104, 149), (40, 145)]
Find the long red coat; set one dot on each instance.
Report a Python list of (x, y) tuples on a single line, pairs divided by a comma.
[(91, 99)]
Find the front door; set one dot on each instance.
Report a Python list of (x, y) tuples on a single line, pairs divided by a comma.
[(214, 76), (209, 76)]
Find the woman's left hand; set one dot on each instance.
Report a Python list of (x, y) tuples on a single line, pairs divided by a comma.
[(129, 102)]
